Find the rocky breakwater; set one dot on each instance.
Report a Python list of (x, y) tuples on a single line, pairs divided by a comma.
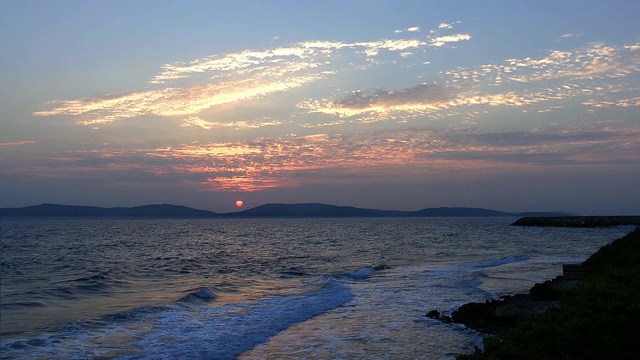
[(578, 221)]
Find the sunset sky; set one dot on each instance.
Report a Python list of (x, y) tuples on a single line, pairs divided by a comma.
[(506, 105)]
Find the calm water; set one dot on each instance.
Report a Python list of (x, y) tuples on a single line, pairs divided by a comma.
[(261, 289)]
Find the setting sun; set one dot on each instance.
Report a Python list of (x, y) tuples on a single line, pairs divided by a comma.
[(239, 203)]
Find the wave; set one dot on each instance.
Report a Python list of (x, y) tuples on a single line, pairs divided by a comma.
[(225, 332), (6, 304), (362, 273), (90, 285), (199, 330), (292, 273), (499, 261), (200, 295)]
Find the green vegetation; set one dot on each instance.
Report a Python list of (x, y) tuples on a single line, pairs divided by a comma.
[(599, 320)]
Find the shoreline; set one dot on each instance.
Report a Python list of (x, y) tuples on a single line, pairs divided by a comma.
[(565, 315), (494, 318)]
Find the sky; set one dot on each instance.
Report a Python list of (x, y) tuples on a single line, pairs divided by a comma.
[(404, 105)]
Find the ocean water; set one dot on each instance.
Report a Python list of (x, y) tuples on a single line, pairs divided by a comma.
[(264, 289)]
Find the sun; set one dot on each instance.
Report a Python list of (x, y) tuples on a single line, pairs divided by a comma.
[(239, 203)]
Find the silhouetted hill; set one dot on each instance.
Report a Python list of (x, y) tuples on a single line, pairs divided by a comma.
[(264, 211), (165, 210), (315, 210), (55, 210), (324, 210)]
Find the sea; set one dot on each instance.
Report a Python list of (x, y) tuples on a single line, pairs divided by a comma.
[(267, 288)]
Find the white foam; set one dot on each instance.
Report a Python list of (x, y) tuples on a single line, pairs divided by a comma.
[(498, 262), (178, 331), (362, 273), (386, 319), (225, 332)]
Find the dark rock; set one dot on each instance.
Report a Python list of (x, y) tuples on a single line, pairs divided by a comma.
[(578, 221), (524, 308), (496, 317), (435, 314), (552, 290), (482, 317)]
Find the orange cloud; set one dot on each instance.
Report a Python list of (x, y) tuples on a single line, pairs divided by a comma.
[(246, 183), (184, 103), (17, 143), (432, 100), (220, 80), (275, 163)]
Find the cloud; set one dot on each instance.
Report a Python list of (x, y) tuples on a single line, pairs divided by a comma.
[(414, 29), (227, 63), (217, 80), (448, 26), (195, 93), (567, 36), (184, 103), (550, 148), (596, 59), (308, 50), (531, 139), (442, 40), (238, 125), (247, 183), (268, 163), (17, 143), (422, 93), (422, 97), (605, 103), (434, 100), (634, 47), (557, 76), (196, 121)]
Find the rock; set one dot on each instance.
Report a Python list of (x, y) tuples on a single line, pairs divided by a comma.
[(482, 317), (524, 309), (552, 290), (435, 314), (496, 317)]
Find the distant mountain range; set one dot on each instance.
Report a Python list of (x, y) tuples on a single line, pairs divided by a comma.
[(307, 210)]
